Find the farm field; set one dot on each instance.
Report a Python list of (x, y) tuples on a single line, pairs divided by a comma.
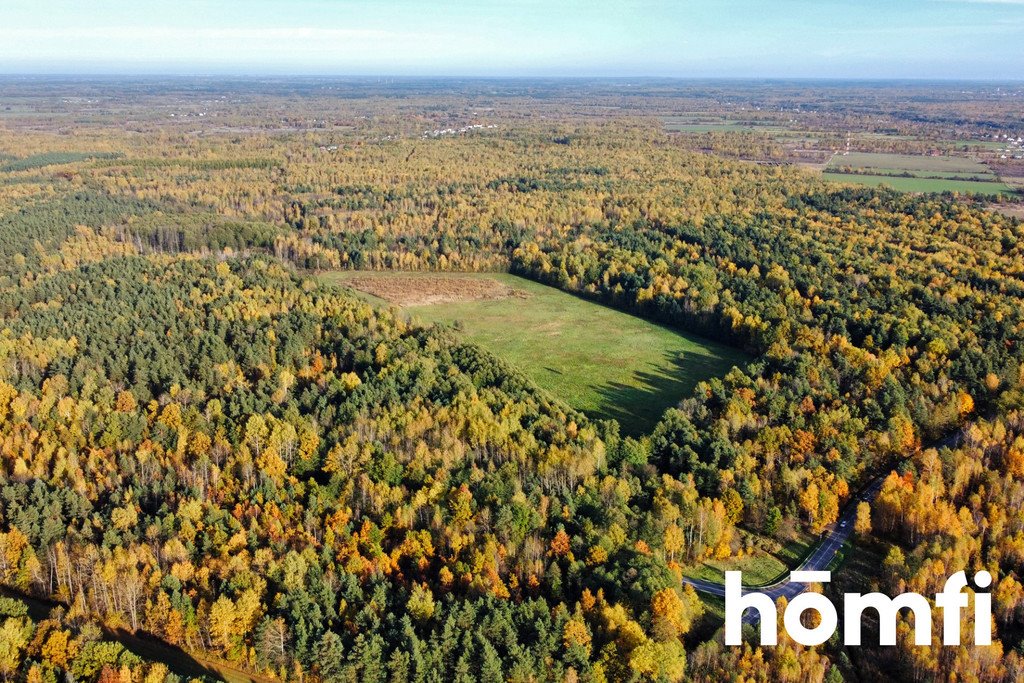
[(916, 173), (905, 184), (710, 124), (903, 163), (604, 362), (725, 126)]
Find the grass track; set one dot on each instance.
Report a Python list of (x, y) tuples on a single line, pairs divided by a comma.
[(604, 362)]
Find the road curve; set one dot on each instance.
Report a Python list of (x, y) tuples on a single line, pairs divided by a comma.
[(818, 560), (821, 557)]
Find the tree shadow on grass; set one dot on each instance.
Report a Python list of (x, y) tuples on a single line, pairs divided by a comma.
[(639, 405), (145, 646)]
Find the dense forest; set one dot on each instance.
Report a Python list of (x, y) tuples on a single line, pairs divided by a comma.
[(202, 443)]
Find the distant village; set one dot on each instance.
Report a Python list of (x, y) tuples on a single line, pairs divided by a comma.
[(441, 132), (1014, 148)]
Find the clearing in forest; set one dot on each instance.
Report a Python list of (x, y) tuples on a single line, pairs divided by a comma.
[(599, 360), (915, 173), (427, 289)]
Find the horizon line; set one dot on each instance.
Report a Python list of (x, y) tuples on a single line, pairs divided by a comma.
[(501, 76)]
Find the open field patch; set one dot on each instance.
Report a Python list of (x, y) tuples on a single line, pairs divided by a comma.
[(1013, 210), (426, 290), (931, 175), (916, 173), (599, 360), (760, 566), (905, 184), (713, 124), (909, 163)]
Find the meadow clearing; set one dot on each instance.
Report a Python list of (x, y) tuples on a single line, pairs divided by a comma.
[(604, 362)]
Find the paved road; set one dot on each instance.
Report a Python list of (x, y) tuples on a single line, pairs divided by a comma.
[(821, 557), (818, 560)]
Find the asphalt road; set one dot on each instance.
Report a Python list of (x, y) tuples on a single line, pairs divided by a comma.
[(821, 557)]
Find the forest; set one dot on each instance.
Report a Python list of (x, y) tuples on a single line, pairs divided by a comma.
[(205, 444)]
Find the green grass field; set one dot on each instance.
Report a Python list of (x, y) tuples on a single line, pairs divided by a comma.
[(986, 176), (760, 567), (921, 184), (604, 362), (990, 145), (909, 162), (930, 174), (710, 124)]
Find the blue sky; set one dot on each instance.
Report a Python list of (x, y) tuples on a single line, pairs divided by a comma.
[(685, 38)]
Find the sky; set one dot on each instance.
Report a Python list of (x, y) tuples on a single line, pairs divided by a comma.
[(931, 39)]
